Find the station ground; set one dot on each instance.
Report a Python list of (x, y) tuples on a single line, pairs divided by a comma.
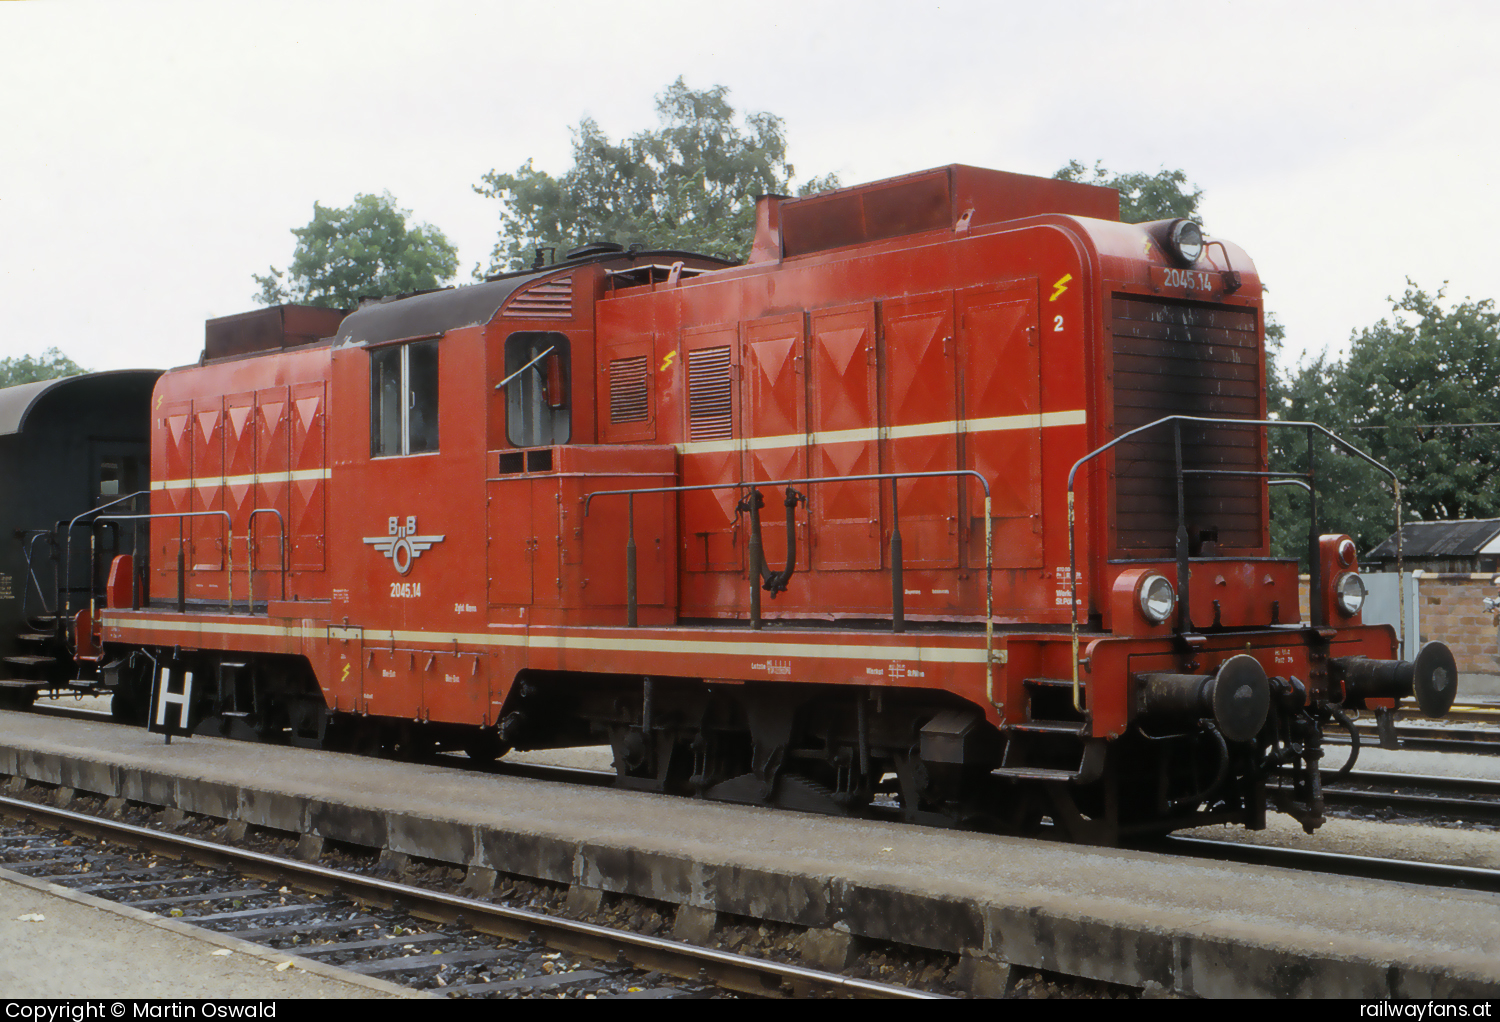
[(1199, 928)]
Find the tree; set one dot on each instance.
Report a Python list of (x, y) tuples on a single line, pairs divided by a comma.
[(1143, 197), (363, 250), (1420, 392), (50, 365), (690, 184)]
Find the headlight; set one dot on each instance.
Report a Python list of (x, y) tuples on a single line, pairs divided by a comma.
[(1157, 599), (1187, 241), (1350, 589)]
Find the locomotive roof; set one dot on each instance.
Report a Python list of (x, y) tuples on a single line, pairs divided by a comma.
[(16, 403), (436, 312)]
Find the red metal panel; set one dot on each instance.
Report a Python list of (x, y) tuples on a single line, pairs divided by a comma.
[(711, 542), (172, 464), (1002, 407), (843, 401), (455, 687), (921, 400), (209, 532), (393, 688), (309, 467), (509, 546), (272, 486), (546, 527), (239, 482), (776, 423)]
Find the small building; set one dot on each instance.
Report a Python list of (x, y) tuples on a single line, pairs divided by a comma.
[(1461, 547)]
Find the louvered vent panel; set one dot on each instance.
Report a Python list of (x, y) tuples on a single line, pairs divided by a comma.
[(1183, 358), (550, 299), (627, 390), (710, 396)]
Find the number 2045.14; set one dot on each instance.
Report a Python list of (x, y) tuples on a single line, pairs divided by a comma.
[(406, 589)]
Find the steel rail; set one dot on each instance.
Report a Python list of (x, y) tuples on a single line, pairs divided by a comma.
[(1430, 874), (734, 972)]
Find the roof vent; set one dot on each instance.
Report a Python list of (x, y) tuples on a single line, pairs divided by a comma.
[(547, 299)]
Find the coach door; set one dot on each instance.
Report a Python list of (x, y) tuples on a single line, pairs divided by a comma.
[(1002, 421)]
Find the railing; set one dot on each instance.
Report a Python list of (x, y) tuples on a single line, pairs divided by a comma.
[(182, 549), (1184, 619), (250, 547), (250, 552), (756, 572)]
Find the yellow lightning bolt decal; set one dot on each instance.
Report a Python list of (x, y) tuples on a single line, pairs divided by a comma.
[(1145, 246), (345, 675), (1060, 286), (159, 400), (667, 362)]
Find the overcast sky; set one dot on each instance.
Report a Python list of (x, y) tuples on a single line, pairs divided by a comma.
[(153, 156)]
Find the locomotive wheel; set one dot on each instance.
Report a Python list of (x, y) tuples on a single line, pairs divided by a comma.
[(485, 747)]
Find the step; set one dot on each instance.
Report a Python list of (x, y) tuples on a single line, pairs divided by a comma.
[(21, 683), (1074, 728), (1034, 773), (31, 661), (1055, 683), (36, 637)]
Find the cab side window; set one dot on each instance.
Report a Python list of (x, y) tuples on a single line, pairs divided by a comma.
[(538, 388), (404, 399)]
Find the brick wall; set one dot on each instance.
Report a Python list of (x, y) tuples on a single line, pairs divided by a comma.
[(1452, 611)]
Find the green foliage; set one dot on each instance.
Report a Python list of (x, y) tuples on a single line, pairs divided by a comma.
[(1143, 197), (1413, 393), (364, 250), (50, 365), (690, 184)]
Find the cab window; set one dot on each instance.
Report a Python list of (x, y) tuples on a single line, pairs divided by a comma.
[(404, 399), (537, 388)]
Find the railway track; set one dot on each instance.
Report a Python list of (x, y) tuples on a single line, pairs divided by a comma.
[(1431, 874), (435, 941), (1423, 797)]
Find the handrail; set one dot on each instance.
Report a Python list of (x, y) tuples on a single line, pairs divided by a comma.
[(250, 553), (67, 538), (181, 550), (897, 596), (229, 546), (1273, 477), (28, 556)]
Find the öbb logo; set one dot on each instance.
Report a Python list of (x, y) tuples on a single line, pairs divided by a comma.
[(401, 542)]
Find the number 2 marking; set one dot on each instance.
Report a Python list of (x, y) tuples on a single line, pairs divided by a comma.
[(1057, 324)]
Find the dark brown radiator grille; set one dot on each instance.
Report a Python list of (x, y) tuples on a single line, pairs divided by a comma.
[(628, 398), (710, 395), (1183, 358)]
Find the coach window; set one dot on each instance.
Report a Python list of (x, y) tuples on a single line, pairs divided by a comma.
[(537, 389), (404, 399)]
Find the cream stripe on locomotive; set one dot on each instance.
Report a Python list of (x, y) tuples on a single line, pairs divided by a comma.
[(300, 476), (993, 424), (930, 654), (998, 423)]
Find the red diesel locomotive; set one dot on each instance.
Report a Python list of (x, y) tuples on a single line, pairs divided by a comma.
[(542, 511)]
